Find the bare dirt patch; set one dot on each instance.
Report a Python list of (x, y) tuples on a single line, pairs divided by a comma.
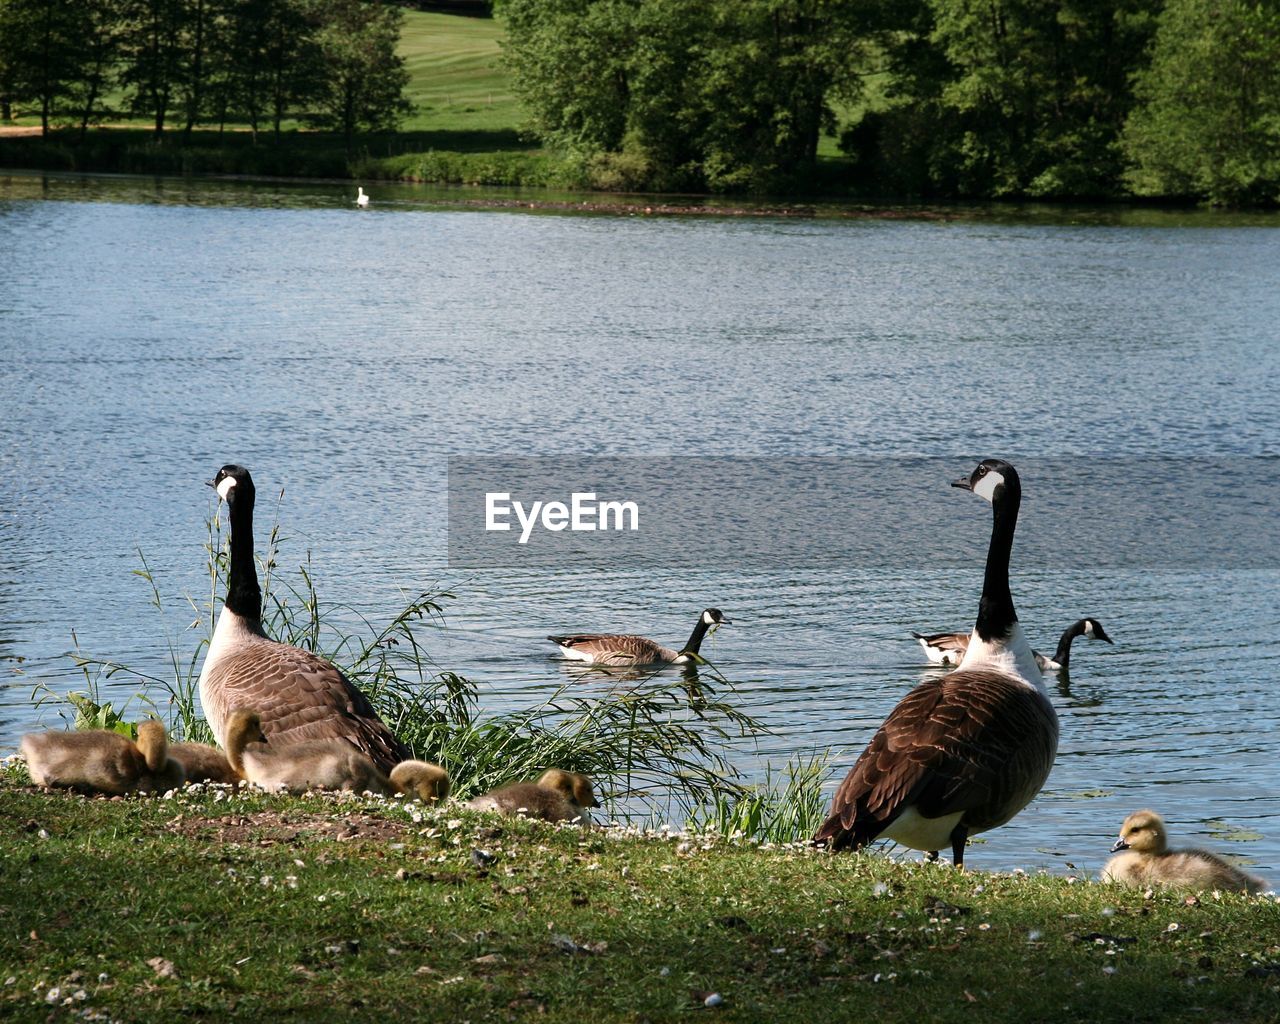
[(269, 828)]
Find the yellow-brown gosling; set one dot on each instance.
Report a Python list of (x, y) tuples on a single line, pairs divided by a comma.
[(101, 761), (421, 780), (298, 767), (204, 763), (556, 796), (1143, 858)]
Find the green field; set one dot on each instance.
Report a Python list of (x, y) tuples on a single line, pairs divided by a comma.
[(458, 83), (204, 907)]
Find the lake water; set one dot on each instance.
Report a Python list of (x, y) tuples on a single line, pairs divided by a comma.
[(151, 331)]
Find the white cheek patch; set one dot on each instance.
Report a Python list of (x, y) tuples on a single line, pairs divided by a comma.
[(706, 617), (986, 487), (1088, 629), (226, 487)]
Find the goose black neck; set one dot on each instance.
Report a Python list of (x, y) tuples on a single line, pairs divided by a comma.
[(1063, 654), (696, 637), (244, 598), (996, 615)]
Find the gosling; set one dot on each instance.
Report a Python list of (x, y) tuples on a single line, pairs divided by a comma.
[(421, 780), (101, 761), (323, 764), (1143, 858), (204, 763), (556, 796)]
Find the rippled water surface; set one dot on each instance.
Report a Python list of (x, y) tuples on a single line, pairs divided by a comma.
[(151, 331)]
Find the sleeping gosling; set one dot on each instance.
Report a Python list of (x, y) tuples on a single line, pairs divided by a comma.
[(1143, 858), (204, 763), (101, 761), (556, 796)]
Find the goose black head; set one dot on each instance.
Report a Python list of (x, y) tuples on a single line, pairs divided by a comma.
[(1092, 628), (715, 617), (232, 482), (993, 478)]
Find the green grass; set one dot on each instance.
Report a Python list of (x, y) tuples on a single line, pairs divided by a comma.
[(458, 84), (210, 907)]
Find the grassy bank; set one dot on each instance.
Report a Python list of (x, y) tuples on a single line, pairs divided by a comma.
[(464, 129), (254, 907)]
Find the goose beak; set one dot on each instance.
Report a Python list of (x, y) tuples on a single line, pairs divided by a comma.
[(1119, 845), (725, 622), (1098, 634), (210, 483), (964, 483)]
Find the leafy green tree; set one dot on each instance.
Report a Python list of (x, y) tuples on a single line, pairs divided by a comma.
[(41, 42), (365, 78), (154, 56), (1010, 97), (98, 54), (1208, 119), (721, 93)]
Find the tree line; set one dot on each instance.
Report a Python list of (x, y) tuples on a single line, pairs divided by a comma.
[(329, 63), (964, 98)]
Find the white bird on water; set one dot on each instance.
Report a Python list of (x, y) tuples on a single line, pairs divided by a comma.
[(361, 199)]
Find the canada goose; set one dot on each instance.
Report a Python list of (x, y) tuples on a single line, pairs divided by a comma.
[(421, 779), (626, 649), (556, 796), (949, 648), (963, 753), (1143, 858), (298, 767), (203, 763), (298, 695), (361, 199), (101, 761)]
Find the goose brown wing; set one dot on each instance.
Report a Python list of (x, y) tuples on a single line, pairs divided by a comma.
[(615, 648), (946, 641), (978, 743), (302, 697)]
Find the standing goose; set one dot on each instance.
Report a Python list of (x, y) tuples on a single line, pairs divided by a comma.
[(949, 648), (1143, 858), (621, 649), (300, 696), (964, 753)]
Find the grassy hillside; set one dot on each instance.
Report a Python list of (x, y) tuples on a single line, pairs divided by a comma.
[(457, 81), (214, 907)]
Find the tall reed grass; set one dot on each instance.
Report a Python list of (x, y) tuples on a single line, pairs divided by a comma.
[(658, 745)]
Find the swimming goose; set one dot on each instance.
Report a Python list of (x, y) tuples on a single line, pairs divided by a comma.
[(101, 761), (203, 763), (963, 753), (556, 796), (299, 696), (949, 648), (625, 649), (1143, 858), (361, 199)]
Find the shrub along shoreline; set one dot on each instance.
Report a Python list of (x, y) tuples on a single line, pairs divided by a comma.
[(211, 904)]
